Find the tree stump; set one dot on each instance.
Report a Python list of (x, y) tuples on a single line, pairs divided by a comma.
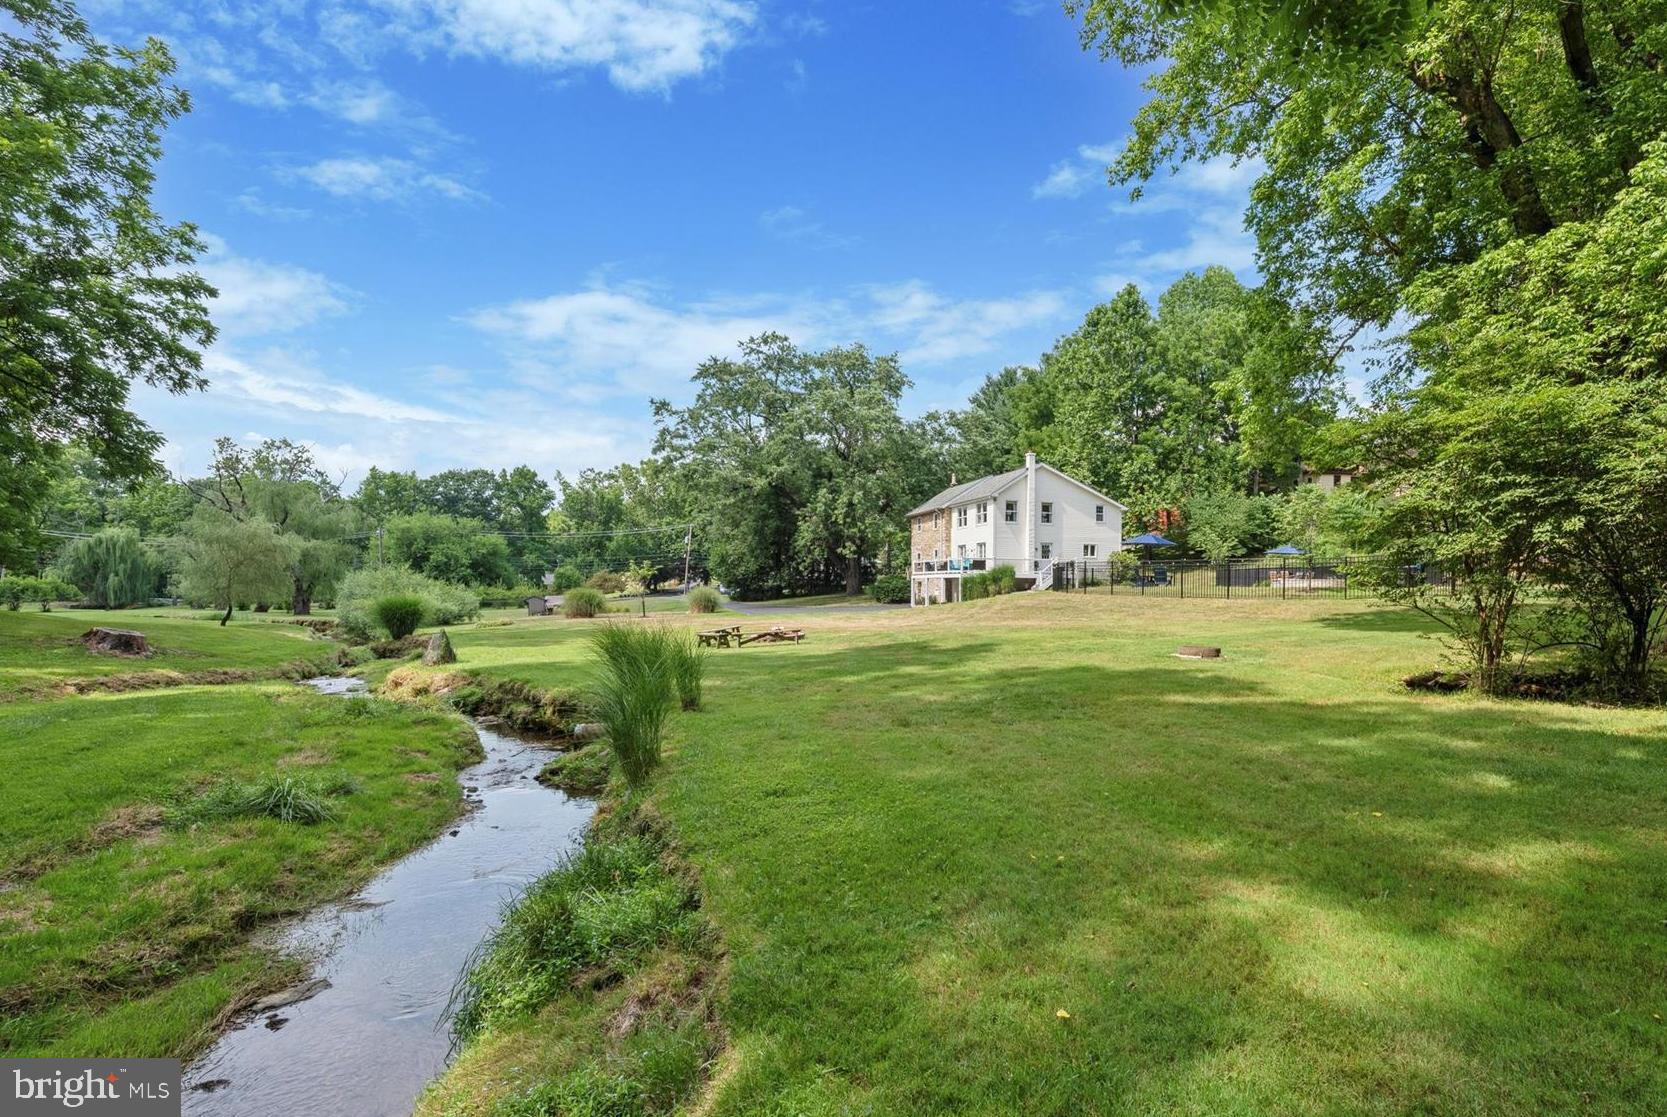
[(116, 641), (1198, 651), (439, 650)]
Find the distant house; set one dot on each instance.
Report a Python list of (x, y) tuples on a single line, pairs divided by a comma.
[(1326, 479), (1028, 518)]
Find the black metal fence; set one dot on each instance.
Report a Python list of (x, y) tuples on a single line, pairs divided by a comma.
[(1352, 576)]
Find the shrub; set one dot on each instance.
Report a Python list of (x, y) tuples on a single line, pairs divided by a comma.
[(633, 693), (399, 613), (443, 603), (564, 578), (583, 601), (704, 599), (1002, 579), (688, 669), (975, 587), (606, 581), (890, 589)]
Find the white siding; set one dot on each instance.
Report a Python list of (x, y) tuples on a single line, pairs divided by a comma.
[(1074, 522)]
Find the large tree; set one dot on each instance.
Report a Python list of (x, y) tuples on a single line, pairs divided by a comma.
[(1397, 136), (96, 290), (795, 463)]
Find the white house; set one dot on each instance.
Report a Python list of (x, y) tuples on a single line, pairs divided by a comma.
[(1027, 518)]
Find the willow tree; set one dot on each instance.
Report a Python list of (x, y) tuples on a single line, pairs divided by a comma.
[(96, 290), (112, 568)]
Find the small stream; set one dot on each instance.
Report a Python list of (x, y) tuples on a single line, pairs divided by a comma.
[(370, 1031)]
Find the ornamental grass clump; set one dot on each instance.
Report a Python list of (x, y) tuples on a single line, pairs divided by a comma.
[(582, 601), (633, 693), (704, 599), (688, 669)]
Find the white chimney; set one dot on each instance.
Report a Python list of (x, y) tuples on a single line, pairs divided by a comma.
[(1030, 511)]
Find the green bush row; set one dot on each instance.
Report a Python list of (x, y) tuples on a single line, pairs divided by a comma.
[(15, 589)]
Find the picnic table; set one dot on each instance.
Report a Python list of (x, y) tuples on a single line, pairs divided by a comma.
[(732, 636), (720, 637)]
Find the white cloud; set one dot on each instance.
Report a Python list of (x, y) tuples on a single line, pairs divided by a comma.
[(643, 45), (1212, 194), (1071, 178), (278, 379), (360, 101), (622, 338), (942, 329), (382, 179), (794, 225), (251, 201), (259, 297)]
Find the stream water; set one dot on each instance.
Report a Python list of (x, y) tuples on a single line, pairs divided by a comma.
[(371, 1031)]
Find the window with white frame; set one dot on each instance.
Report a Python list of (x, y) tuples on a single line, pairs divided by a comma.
[(1047, 550), (981, 550), (1089, 550), (961, 550), (1047, 512), (1099, 513), (1011, 515), (983, 511), (961, 516), (934, 519)]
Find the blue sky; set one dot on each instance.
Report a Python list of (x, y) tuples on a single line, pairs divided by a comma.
[(486, 232)]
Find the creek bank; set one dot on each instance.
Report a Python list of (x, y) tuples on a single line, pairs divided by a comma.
[(385, 961)]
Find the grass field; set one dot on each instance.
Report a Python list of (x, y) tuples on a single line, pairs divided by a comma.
[(125, 916), (1014, 857), (40, 651)]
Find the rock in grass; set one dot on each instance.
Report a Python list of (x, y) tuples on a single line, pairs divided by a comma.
[(439, 650), (116, 641)]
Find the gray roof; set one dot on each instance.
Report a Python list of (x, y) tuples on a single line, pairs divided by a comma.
[(972, 490)]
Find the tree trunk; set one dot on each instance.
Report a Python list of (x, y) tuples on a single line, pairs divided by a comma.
[(301, 603), (1577, 53), (853, 575), (1491, 132), (227, 617)]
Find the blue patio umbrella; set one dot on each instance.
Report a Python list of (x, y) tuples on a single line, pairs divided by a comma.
[(1287, 549), (1149, 540)]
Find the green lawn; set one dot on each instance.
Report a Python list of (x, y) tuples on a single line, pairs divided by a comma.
[(41, 651), (124, 931), (1273, 883)]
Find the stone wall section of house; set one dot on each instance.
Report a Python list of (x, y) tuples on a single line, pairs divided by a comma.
[(924, 539)]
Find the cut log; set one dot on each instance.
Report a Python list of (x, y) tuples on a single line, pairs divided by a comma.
[(116, 641), (1198, 651), (439, 650)]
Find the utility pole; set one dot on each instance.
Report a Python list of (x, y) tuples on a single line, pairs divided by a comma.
[(688, 543)]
